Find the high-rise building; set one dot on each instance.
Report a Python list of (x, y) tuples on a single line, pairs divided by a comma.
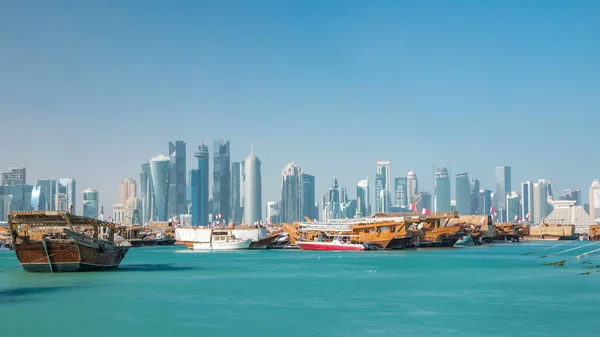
[(463, 194), (48, 188), (503, 186), (297, 194), (541, 206), (128, 212), (221, 179), (572, 194), (307, 202), (147, 194), (291, 193), (475, 197), (383, 168), (379, 186), (363, 203), (236, 193), (177, 159), (513, 207), (253, 190), (160, 167), (412, 186), (424, 201), (331, 201), (442, 190), (382, 182), (15, 176), (527, 200), (274, 212), (200, 180), (38, 199), (386, 202), (67, 188), (400, 193), (90, 203), (17, 197), (594, 200), (127, 189), (485, 201)]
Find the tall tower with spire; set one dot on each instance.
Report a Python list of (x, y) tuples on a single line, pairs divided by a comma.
[(252, 189)]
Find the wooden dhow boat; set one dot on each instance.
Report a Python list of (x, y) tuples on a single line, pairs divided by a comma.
[(63, 242)]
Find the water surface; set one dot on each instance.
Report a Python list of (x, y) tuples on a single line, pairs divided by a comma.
[(167, 291)]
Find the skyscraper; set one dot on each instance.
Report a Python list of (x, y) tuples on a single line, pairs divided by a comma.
[(236, 193), (485, 201), (503, 186), (442, 190), (513, 206), (386, 203), (38, 199), (572, 194), (400, 193), (463, 194), (291, 193), (147, 194), (383, 168), (379, 186), (475, 197), (48, 188), (160, 168), (331, 201), (67, 187), (200, 196), (221, 179), (412, 186), (177, 159), (307, 202), (424, 201), (90, 203), (127, 189), (527, 200), (15, 176), (594, 199), (382, 182), (274, 211), (363, 203), (541, 207), (253, 190)]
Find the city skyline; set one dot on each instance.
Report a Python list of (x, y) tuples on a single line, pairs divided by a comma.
[(431, 69)]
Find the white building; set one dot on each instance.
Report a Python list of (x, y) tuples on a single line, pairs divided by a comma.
[(566, 213)]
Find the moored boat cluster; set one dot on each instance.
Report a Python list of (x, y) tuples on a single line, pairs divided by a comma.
[(60, 241)]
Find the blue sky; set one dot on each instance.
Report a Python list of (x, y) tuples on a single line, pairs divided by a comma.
[(91, 89)]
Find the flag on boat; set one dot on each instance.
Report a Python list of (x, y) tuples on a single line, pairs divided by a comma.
[(482, 220), (528, 216), (412, 207), (492, 209), (425, 211), (516, 218)]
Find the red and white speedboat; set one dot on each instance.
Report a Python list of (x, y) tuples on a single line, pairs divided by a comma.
[(332, 245)]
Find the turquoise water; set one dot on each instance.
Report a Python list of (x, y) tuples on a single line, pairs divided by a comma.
[(166, 291)]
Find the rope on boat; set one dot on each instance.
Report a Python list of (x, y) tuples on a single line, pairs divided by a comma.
[(562, 262), (539, 250), (42, 258), (568, 250)]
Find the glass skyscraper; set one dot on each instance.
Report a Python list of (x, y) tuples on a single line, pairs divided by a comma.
[(442, 193), (90, 203), (221, 179), (463, 194), (160, 168), (363, 203), (177, 158), (200, 179), (400, 193)]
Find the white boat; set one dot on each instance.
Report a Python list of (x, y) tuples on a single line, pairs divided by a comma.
[(466, 240), (221, 240)]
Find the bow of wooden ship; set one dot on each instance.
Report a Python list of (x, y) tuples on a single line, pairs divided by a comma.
[(63, 242)]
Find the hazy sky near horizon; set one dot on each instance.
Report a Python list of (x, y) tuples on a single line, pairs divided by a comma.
[(92, 89)]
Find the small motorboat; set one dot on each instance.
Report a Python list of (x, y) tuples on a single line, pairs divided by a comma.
[(222, 240), (466, 240), (331, 245)]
